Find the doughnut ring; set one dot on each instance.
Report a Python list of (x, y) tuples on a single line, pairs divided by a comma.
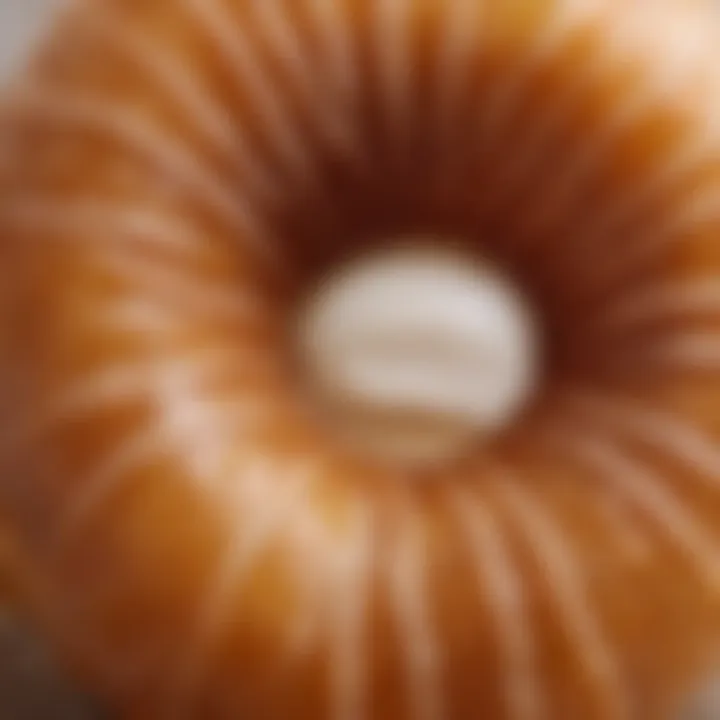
[(200, 533)]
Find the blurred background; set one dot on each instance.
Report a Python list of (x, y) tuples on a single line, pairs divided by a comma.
[(21, 22)]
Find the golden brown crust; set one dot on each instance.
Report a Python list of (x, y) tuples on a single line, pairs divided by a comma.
[(201, 545)]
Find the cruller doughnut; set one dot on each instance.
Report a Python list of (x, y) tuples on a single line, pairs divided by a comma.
[(488, 488)]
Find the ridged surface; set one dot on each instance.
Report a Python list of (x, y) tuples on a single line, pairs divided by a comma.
[(174, 172)]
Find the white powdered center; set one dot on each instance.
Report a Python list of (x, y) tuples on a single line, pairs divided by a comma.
[(418, 352)]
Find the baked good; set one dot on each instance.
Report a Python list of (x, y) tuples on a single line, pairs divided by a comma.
[(197, 539)]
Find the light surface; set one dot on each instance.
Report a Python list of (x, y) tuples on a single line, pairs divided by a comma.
[(704, 703), (21, 24)]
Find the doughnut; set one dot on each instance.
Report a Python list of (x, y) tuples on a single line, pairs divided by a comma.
[(361, 358)]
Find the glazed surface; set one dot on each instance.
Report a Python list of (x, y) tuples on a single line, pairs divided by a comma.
[(175, 174)]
